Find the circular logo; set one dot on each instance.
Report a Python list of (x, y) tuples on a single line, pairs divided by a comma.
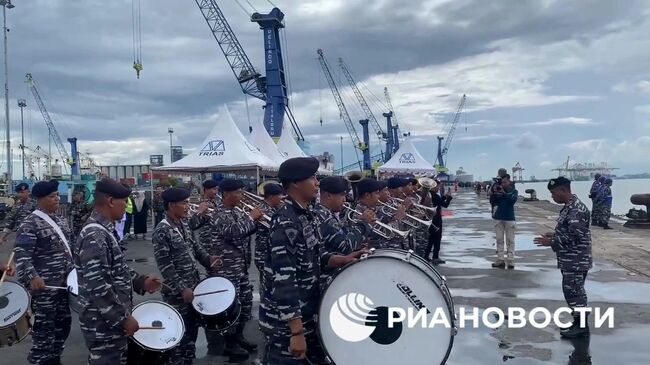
[(353, 318)]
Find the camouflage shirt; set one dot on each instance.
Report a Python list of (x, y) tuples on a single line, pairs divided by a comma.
[(374, 240), (105, 281), (262, 237), (176, 254), (293, 266), (40, 252), (231, 240), (79, 212), (572, 239), (18, 213), (204, 223)]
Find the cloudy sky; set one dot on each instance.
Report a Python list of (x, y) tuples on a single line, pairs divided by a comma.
[(544, 79)]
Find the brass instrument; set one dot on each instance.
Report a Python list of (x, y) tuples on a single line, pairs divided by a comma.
[(194, 208), (260, 187), (353, 177), (410, 220), (381, 229), (427, 183), (421, 207), (249, 202)]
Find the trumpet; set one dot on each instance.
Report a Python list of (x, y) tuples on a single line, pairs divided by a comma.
[(246, 208), (411, 220), (423, 208), (381, 229), (194, 208)]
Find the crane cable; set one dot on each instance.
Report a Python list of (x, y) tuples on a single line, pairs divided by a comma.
[(137, 36), (243, 8)]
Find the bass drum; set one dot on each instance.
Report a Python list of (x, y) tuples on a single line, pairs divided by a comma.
[(353, 312), (15, 319)]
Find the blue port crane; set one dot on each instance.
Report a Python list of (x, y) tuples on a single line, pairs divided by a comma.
[(271, 88), (65, 156), (391, 120), (358, 145), (442, 151), (366, 110)]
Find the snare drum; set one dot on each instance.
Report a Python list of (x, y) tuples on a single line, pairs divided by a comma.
[(73, 291), (15, 318), (155, 342), (353, 312), (220, 309)]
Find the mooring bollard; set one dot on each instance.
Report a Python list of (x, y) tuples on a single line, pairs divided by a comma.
[(532, 197), (639, 218)]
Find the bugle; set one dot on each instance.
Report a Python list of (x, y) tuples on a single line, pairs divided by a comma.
[(381, 229)]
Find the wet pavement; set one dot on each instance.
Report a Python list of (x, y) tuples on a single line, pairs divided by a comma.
[(468, 247)]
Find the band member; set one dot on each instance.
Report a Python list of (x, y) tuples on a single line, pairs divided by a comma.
[(368, 190), (23, 207), (202, 219), (272, 202), (571, 242), (106, 283), (438, 201), (394, 218), (174, 251), (11, 271), (231, 239), (338, 239), (79, 211), (43, 258)]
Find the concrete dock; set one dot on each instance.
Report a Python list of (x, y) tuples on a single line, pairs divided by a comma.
[(620, 279)]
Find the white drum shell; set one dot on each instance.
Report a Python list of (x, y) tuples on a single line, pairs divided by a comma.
[(159, 340), (18, 303), (216, 303)]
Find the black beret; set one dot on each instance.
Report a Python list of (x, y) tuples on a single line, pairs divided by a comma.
[(395, 182), (413, 180), (231, 185), (272, 189), (21, 187), (558, 181), (44, 188), (382, 184), (367, 186), (173, 195), (334, 185), (298, 169), (210, 184), (112, 188)]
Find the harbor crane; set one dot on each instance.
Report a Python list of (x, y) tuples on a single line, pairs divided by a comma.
[(441, 167), (358, 145), (271, 88), (391, 120), (65, 156)]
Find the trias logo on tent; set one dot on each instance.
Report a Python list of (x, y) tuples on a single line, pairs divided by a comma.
[(213, 148), (407, 158)]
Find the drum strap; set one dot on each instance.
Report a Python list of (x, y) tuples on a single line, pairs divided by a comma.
[(97, 225), (56, 227)]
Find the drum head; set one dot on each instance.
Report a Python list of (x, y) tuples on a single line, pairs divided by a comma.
[(215, 303), (14, 303), (73, 282), (158, 314), (362, 292)]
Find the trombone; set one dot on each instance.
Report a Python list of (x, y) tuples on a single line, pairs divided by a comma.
[(249, 200), (410, 220), (381, 229)]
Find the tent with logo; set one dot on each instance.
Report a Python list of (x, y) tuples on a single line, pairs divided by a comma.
[(224, 149), (288, 146), (407, 160), (261, 139)]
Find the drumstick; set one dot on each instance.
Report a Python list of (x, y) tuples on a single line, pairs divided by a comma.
[(211, 292), (56, 287), (151, 328), (4, 274)]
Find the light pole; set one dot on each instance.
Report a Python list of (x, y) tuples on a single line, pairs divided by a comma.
[(22, 103), (341, 154), (7, 4), (170, 131)]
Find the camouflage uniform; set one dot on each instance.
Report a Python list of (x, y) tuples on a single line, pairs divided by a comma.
[(421, 233), (175, 252), (40, 252), (572, 245), (373, 239), (292, 288), (262, 239), (78, 213), (105, 291), (18, 213), (204, 223), (231, 241), (158, 208), (595, 201), (384, 217), (338, 238)]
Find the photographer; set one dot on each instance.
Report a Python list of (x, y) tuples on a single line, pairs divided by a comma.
[(503, 199)]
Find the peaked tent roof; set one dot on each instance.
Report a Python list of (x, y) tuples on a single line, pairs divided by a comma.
[(408, 160), (287, 144), (225, 149), (261, 139)]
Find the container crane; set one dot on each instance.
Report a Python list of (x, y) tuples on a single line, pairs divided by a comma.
[(442, 151), (367, 111), (358, 145), (391, 120), (65, 156), (272, 88)]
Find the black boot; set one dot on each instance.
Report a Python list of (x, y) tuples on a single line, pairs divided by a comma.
[(233, 349), (576, 330), (243, 342)]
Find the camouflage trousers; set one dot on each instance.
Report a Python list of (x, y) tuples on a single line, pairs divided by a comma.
[(573, 288), (597, 212), (107, 352), (239, 278), (52, 320), (276, 351), (421, 237), (184, 353)]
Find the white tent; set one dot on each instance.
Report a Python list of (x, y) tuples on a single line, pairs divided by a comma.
[(287, 144), (225, 149), (261, 139), (407, 160)]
